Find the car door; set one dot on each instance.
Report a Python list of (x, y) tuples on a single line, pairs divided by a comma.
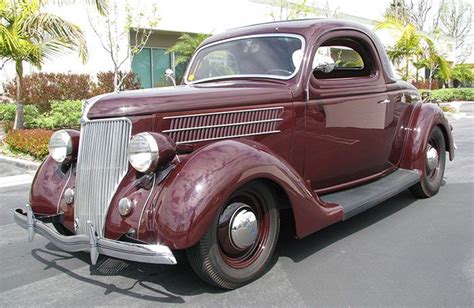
[(350, 123)]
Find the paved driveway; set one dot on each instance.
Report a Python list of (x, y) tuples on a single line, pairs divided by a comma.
[(404, 252)]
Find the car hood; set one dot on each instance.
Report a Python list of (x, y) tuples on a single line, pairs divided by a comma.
[(188, 98)]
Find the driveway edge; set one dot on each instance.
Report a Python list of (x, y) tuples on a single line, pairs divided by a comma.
[(20, 163)]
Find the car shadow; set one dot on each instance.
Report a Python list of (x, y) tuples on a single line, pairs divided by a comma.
[(169, 284), (298, 250)]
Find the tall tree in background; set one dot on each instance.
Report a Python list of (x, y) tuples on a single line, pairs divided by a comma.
[(288, 10), (398, 11), (114, 35), (28, 34), (456, 20), (418, 12)]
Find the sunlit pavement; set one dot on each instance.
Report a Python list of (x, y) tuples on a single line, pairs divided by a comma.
[(405, 252)]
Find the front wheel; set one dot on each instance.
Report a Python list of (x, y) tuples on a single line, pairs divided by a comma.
[(239, 244), (435, 160)]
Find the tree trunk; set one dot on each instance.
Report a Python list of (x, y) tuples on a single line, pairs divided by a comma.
[(430, 80), (417, 70), (116, 80), (19, 115), (407, 63)]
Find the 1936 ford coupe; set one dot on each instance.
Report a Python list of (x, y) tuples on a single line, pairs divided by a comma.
[(303, 115)]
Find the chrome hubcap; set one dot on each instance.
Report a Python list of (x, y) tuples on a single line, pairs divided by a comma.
[(432, 156), (243, 228)]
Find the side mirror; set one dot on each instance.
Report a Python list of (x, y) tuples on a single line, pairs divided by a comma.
[(169, 74), (325, 67)]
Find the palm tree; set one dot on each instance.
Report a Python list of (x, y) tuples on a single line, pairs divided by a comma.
[(27, 34), (434, 62), (101, 5), (408, 46), (186, 45), (463, 73)]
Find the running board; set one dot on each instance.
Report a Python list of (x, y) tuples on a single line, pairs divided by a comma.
[(358, 199)]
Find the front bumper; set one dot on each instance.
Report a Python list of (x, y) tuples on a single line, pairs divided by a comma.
[(147, 253)]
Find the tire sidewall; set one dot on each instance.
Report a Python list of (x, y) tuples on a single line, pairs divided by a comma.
[(240, 276), (431, 186)]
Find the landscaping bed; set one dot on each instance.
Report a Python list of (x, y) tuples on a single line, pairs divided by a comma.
[(33, 140)]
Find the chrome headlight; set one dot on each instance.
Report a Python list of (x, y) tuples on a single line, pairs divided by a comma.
[(143, 152), (147, 151), (60, 146)]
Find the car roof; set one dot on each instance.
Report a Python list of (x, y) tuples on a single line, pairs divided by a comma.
[(307, 28), (303, 27)]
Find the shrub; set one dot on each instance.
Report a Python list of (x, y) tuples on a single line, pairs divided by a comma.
[(453, 94), (63, 114), (7, 114), (105, 82), (42, 88), (33, 142)]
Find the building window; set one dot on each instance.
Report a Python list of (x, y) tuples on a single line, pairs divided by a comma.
[(150, 65)]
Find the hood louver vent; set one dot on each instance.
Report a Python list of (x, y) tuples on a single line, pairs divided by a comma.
[(223, 125)]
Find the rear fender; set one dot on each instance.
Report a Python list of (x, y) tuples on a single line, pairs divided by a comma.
[(425, 117), (195, 191)]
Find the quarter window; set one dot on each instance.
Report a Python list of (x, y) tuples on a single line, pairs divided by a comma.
[(342, 58)]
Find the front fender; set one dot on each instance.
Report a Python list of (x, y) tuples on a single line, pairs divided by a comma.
[(193, 194), (47, 190), (425, 117)]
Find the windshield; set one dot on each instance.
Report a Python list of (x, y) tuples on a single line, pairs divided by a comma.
[(272, 56)]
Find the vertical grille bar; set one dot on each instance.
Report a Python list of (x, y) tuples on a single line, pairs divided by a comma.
[(102, 164)]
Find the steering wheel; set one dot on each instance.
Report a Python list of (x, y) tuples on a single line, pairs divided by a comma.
[(277, 70)]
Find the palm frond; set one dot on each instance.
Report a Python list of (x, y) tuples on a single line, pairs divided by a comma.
[(45, 25), (186, 45), (102, 6)]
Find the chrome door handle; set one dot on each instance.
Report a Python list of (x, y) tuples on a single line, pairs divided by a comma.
[(387, 101)]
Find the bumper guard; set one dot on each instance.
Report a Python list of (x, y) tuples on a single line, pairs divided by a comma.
[(147, 253)]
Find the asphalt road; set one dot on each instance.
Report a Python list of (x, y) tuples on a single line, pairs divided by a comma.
[(404, 252)]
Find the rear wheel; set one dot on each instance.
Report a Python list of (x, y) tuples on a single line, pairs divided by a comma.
[(433, 171), (239, 244)]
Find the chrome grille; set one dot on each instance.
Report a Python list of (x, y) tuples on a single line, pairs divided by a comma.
[(221, 125), (102, 164)]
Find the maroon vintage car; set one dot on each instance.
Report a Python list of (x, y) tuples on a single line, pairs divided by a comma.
[(303, 115)]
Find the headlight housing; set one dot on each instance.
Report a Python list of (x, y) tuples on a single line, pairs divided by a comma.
[(60, 146), (147, 151)]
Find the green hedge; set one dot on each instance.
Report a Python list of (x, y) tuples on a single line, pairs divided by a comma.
[(453, 94), (63, 114), (7, 114)]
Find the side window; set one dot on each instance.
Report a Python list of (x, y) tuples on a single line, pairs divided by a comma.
[(342, 58)]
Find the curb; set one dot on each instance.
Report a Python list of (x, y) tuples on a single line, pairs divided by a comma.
[(21, 163)]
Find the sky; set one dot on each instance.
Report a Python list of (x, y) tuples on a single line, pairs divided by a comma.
[(371, 9)]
